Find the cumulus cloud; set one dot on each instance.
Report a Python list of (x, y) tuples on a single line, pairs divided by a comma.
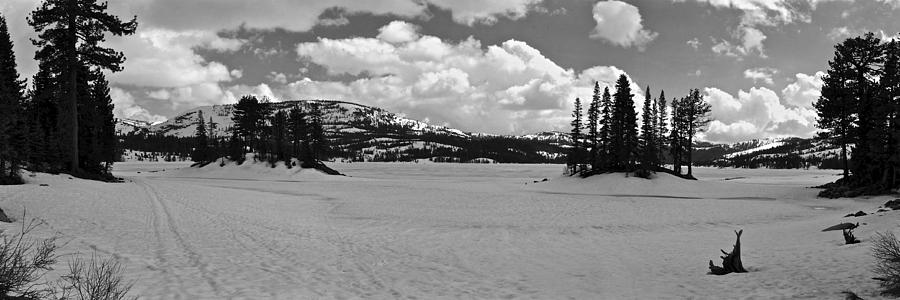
[(619, 23), (398, 32), (125, 107), (506, 88), (804, 91), (165, 58), (761, 74), (760, 112)]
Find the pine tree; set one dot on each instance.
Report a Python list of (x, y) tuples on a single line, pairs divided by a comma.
[(574, 158), (280, 136), (648, 135), (662, 124), (70, 33), (316, 131), (104, 122), (12, 136), (605, 133), (890, 85), (247, 119), (676, 135), (201, 141), (297, 130), (624, 141), (593, 126), (696, 118)]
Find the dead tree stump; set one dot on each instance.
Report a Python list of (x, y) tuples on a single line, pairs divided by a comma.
[(848, 237), (731, 262)]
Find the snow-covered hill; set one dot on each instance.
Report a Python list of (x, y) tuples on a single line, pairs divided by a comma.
[(365, 133)]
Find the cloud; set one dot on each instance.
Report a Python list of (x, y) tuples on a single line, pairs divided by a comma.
[(757, 113), (471, 12), (619, 23), (125, 107), (506, 88), (398, 32), (804, 91), (761, 74), (165, 58)]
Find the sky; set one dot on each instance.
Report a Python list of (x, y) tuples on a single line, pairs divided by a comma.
[(501, 67)]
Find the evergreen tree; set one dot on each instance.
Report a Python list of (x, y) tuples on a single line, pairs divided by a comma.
[(593, 125), (247, 118), (104, 122), (676, 135), (696, 118), (70, 33), (574, 158), (12, 137), (624, 141), (316, 131), (661, 125), (201, 141), (299, 135), (280, 136), (605, 134), (648, 135), (890, 86)]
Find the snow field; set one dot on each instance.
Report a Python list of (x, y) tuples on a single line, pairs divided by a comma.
[(438, 231)]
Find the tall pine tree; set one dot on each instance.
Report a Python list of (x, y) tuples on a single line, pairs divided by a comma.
[(624, 142), (648, 135), (201, 141), (574, 158), (593, 126), (12, 135), (70, 37)]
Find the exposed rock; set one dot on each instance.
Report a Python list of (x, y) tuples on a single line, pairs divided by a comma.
[(893, 204), (4, 218), (856, 214)]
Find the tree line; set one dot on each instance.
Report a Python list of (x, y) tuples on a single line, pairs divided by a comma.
[(859, 111), (613, 143), (271, 135), (64, 122)]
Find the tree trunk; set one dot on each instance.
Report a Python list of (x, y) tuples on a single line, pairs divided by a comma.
[(844, 160), (690, 154), (731, 262), (71, 103)]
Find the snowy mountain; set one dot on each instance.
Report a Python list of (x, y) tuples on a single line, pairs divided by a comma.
[(365, 133), (772, 153)]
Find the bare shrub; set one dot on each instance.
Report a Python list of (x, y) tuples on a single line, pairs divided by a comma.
[(886, 250), (94, 279), (24, 261)]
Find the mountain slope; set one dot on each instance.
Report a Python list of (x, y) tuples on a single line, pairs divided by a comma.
[(364, 133)]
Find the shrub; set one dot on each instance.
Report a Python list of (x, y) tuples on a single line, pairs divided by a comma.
[(96, 279), (886, 250), (24, 262)]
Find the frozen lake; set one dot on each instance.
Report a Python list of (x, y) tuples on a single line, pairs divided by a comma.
[(426, 231)]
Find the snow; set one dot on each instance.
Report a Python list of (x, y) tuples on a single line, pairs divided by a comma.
[(408, 230), (765, 146)]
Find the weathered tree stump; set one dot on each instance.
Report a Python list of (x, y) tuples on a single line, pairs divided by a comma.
[(848, 236), (731, 262)]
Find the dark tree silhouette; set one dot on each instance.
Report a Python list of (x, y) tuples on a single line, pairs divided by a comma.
[(70, 37), (12, 125), (201, 141), (575, 154)]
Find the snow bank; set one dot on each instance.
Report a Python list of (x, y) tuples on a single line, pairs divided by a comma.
[(251, 169), (661, 186)]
